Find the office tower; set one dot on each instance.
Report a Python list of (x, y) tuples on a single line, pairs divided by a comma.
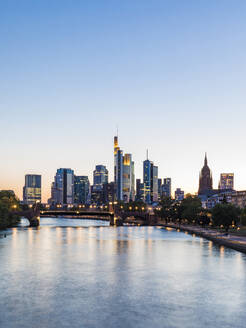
[(205, 179), (128, 178), (159, 189), (118, 170), (150, 180), (124, 178), (166, 190), (81, 189), (140, 191), (226, 181), (62, 190), (100, 177), (154, 183), (108, 193), (32, 189), (179, 194), (147, 180)]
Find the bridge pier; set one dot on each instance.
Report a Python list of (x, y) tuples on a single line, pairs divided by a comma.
[(34, 222)]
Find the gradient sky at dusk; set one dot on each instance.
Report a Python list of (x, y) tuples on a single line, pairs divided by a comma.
[(170, 74)]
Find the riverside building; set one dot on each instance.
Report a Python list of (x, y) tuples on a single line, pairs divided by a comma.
[(32, 189)]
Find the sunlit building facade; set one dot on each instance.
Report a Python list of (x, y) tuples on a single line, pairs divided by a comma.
[(128, 178), (226, 181), (32, 189)]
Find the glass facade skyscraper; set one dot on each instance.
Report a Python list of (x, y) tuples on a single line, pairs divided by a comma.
[(62, 190), (32, 189), (81, 189), (147, 180), (150, 180), (128, 178), (100, 177)]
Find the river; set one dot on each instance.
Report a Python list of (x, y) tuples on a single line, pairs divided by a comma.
[(84, 273)]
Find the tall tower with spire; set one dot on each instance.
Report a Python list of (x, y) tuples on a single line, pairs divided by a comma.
[(205, 179)]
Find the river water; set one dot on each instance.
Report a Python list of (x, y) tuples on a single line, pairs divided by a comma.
[(83, 273)]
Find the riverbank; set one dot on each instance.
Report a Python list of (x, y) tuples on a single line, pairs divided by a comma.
[(235, 242)]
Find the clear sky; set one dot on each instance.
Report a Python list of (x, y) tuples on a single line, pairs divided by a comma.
[(171, 74)]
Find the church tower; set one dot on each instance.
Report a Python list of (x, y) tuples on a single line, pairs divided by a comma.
[(205, 179)]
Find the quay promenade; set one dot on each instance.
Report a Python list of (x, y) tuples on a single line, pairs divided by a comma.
[(229, 240)]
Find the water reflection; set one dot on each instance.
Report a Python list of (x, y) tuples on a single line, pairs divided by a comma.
[(79, 275)]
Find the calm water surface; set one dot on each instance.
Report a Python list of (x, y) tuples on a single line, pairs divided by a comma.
[(82, 273)]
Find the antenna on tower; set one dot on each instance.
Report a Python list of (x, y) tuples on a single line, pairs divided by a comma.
[(117, 130), (147, 154)]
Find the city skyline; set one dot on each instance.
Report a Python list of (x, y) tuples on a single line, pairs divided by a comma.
[(170, 74)]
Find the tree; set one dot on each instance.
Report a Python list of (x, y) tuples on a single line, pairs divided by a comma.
[(225, 214), (243, 217), (191, 208), (8, 207), (165, 211)]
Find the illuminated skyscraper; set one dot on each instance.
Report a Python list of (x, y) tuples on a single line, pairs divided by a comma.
[(226, 181), (32, 189), (128, 178), (124, 177)]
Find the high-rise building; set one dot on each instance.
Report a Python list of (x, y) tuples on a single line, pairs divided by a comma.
[(32, 189), (159, 189), (124, 178), (150, 179), (128, 178), (179, 194), (81, 189), (62, 190), (154, 183), (140, 191), (166, 188), (205, 179), (108, 193), (100, 177), (147, 180), (118, 170), (226, 181)]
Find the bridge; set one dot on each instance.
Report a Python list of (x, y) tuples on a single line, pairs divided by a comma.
[(115, 217), (94, 215)]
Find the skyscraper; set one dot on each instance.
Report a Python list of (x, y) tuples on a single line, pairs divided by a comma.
[(226, 181), (128, 178), (150, 180), (62, 190), (140, 191), (100, 177), (166, 188), (81, 189), (32, 189), (205, 179), (147, 180), (124, 178), (159, 189)]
